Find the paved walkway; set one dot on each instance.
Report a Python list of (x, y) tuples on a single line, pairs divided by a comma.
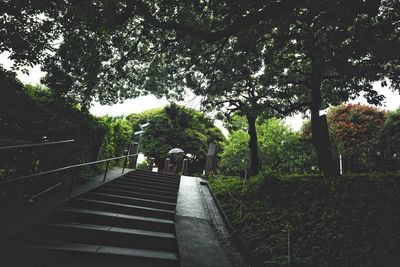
[(198, 245)]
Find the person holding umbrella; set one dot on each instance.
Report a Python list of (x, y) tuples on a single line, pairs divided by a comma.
[(175, 158)]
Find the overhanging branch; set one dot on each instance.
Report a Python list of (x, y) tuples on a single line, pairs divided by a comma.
[(272, 11)]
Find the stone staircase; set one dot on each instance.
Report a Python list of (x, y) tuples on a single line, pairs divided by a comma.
[(126, 222)]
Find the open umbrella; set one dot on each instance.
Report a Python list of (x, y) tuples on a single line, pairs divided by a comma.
[(176, 151)]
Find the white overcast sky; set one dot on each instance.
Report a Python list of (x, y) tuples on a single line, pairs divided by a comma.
[(140, 104)]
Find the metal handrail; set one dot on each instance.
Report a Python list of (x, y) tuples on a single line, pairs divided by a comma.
[(38, 195), (25, 146), (65, 168)]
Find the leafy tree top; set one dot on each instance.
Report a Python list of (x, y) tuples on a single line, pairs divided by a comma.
[(391, 133), (113, 50), (281, 149), (177, 126), (356, 127)]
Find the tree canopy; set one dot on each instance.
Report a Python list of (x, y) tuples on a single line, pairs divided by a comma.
[(113, 50), (391, 137), (356, 128), (280, 148), (177, 126), (365, 137), (313, 53)]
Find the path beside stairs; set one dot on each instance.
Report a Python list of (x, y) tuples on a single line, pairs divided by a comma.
[(198, 246)]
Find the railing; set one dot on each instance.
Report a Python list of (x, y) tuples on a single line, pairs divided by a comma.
[(37, 156), (29, 146), (64, 169), (68, 168)]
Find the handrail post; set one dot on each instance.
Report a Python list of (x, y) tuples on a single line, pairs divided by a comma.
[(166, 165), (151, 164), (71, 187), (105, 173), (128, 152), (184, 166), (288, 245), (126, 161)]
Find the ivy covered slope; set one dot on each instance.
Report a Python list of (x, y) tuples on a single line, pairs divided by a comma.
[(352, 220)]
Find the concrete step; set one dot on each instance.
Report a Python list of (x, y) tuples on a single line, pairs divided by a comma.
[(156, 174), (159, 174), (130, 201), (140, 190), (147, 184), (98, 235), (126, 222), (151, 178), (135, 194), (150, 182), (88, 216), (86, 203), (55, 253)]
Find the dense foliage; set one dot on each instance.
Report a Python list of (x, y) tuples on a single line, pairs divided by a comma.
[(32, 114), (280, 149), (391, 139), (118, 138), (350, 220), (357, 135), (235, 158), (254, 55), (356, 127), (365, 136), (177, 126)]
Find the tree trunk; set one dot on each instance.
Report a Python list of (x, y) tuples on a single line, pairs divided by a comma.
[(253, 145), (319, 128)]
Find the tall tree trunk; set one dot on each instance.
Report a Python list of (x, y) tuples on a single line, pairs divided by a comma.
[(253, 145), (319, 128)]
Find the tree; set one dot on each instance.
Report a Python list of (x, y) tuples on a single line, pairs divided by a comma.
[(364, 135), (233, 123), (177, 126), (338, 59), (356, 127), (235, 158), (391, 139), (119, 49), (281, 150), (136, 119), (291, 66), (235, 78), (357, 134), (27, 31), (284, 150), (118, 138)]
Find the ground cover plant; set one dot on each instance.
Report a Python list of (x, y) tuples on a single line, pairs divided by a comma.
[(351, 220)]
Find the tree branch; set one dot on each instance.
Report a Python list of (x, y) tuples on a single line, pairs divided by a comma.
[(272, 11), (289, 110)]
